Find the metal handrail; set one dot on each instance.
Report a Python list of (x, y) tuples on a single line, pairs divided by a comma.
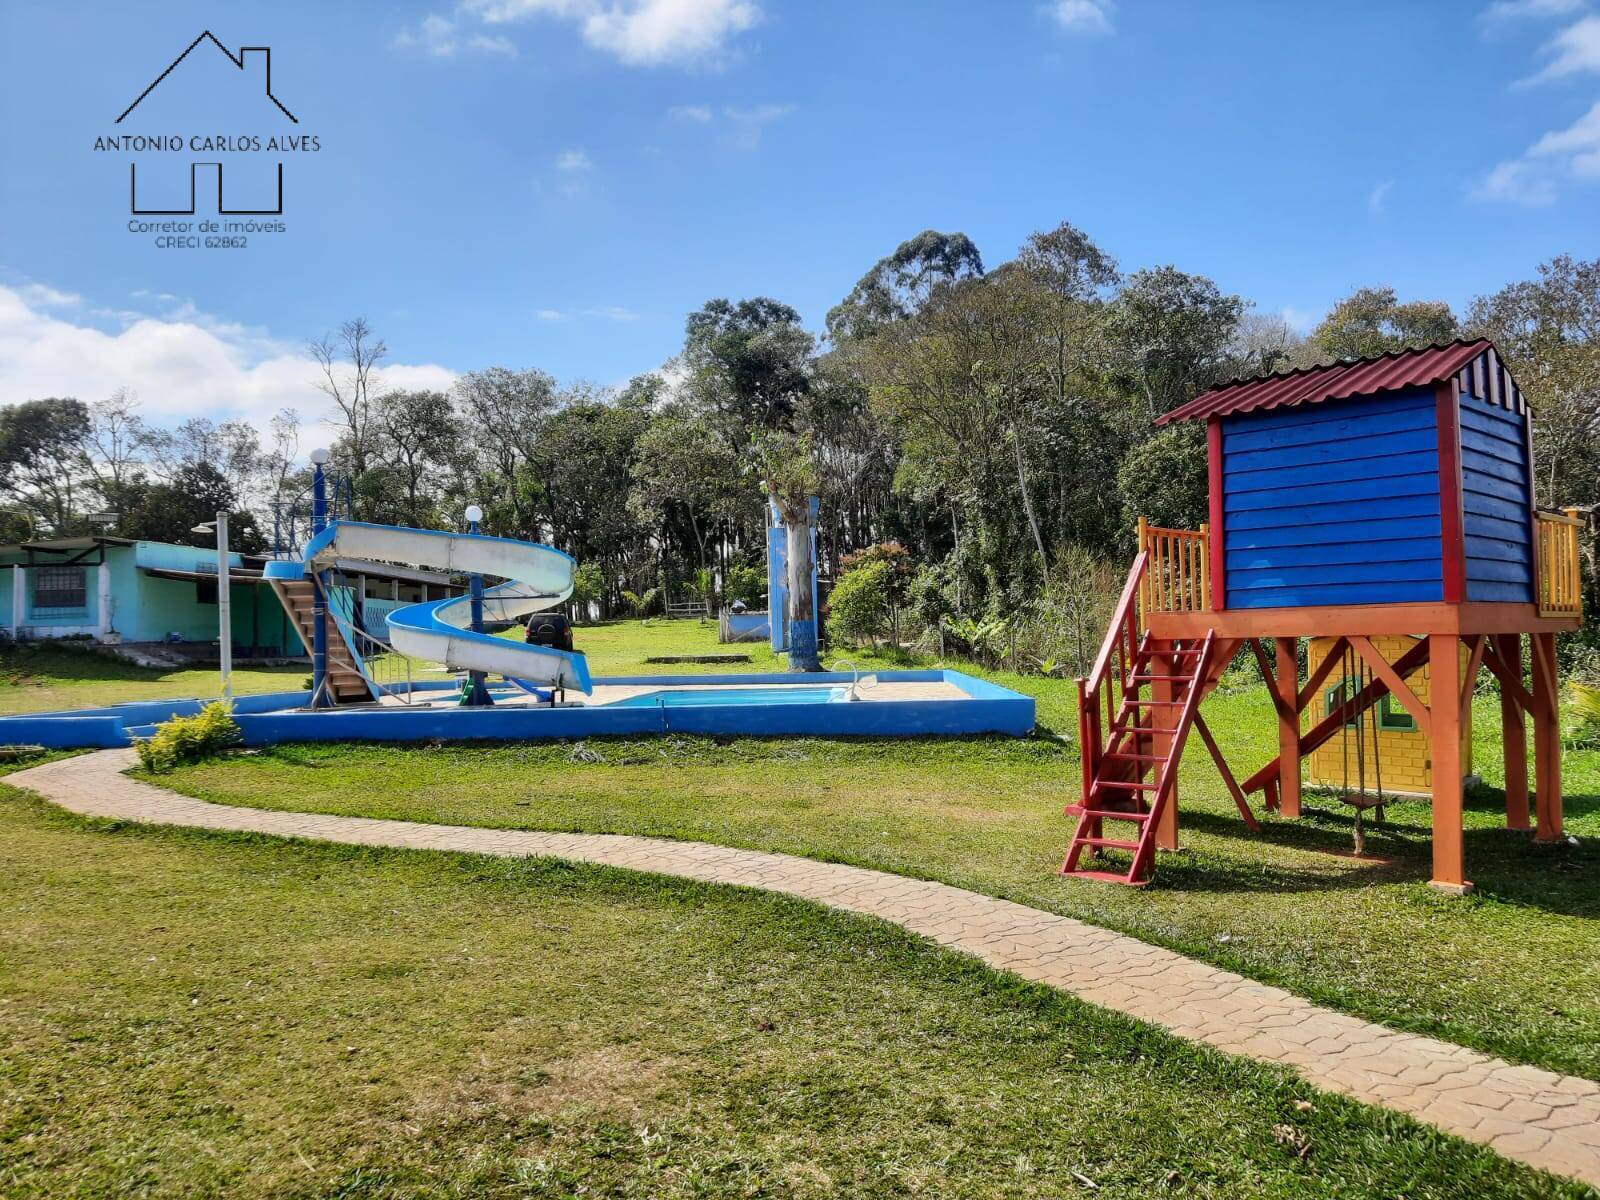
[(377, 651)]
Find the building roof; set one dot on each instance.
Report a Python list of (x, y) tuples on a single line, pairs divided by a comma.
[(1477, 364)]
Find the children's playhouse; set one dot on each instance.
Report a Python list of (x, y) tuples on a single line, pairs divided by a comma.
[(1384, 509)]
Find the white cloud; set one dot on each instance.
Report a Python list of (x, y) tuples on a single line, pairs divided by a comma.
[(574, 162), (189, 366), (1534, 179), (638, 32), (39, 295), (1577, 147), (440, 37), (550, 314), (1576, 49), (1083, 16), (1516, 182), (698, 113), (1379, 196), (1512, 10)]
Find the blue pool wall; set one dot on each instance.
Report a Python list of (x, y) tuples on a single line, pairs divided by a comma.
[(263, 720)]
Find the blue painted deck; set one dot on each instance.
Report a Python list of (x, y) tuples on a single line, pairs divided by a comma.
[(1335, 503), (270, 719)]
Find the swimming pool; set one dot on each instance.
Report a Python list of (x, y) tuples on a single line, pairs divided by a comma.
[(696, 697)]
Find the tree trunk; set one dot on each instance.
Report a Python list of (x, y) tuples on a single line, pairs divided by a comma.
[(802, 610)]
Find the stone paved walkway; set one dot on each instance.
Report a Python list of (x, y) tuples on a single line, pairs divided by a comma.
[(1541, 1118)]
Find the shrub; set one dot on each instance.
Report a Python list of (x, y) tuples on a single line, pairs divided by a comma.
[(1583, 718), (858, 608), (189, 739), (748, 584)]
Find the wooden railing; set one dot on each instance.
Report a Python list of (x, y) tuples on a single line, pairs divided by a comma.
[(1179, 575), (1114, 665), (1560, 581)]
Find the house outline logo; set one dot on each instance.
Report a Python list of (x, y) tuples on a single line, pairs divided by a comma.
[(240, 62)]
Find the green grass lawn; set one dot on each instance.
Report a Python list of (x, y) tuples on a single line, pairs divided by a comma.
[(189, 1014), (1514, 969), (41, 677)]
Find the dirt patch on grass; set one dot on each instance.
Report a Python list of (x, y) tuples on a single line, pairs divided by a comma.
[(612, 1082)]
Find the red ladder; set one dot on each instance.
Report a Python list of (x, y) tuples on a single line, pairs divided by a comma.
[(1130, 761)]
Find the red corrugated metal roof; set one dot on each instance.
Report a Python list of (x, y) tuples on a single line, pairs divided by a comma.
[(1338, 381)]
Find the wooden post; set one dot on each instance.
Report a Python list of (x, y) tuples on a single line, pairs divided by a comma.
[(1546, 738), (1288, 684), (1449, 860), (1165, 719), (1513, 733)]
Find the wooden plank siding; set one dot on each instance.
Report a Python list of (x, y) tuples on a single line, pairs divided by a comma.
[(1333, 504), (1496, 498)]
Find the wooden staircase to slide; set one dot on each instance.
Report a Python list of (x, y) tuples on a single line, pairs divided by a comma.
[(345, 680)]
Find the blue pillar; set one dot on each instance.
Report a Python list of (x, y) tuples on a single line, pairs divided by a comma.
[(320, 696), (478, 691)]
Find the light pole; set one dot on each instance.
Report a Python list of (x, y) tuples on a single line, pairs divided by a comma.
[(478, 692), (320, 697), (224, 602)]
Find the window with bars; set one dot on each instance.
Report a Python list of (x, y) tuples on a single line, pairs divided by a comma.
[(59, 588)]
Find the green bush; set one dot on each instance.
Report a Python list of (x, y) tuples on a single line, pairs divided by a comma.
[(1583, 718), (189, 739), (748, 584), (858, 608)]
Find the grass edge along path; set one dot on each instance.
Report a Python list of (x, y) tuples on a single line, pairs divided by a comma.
[(1548, 1121)]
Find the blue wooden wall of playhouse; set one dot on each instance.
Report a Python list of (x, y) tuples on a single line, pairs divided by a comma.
[(1334, 503), (1338, 503), (1496, 497)]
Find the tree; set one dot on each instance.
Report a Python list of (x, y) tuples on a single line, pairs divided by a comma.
[(859, 606), (900, 283), (169, 511), (42, 461), (750, 363), (1165, 479), (504, 412), (349, 364), (116, 437), (682, 466), (1372, 321), (417, 437), (1173, 332), (789, 471)]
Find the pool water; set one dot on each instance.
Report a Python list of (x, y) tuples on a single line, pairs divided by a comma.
[(729, 696)]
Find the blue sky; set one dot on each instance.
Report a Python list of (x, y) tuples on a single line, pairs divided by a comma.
[(556, 183)]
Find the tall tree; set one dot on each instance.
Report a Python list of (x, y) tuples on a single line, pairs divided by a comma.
[(749, 362), (416, 437), (1372, 321), (1173, 331), (900, 283), (42, 461), (349, 365)]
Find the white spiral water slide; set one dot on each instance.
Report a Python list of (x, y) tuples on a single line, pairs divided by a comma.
[(537, 577)]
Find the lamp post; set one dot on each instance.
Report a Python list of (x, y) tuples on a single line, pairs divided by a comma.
[(478, 692), (320, 697), (224, 602)]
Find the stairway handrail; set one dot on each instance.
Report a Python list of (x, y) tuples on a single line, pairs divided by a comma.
[(1119, 618)]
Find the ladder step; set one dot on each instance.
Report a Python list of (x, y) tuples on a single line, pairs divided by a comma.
[(1107, 877), (1125, 785), (1161, 679), (1106, 843), (1129, 756), (1107, 814), (1152, 703)]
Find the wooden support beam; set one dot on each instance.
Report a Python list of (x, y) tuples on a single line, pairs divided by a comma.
[(1396, 686), (1449, 860), (1164, 720), (1289, 751), (1546, 739), (1505, 660), (1320, 675), (1469, 678), (1412, 660), (1227, 775)]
